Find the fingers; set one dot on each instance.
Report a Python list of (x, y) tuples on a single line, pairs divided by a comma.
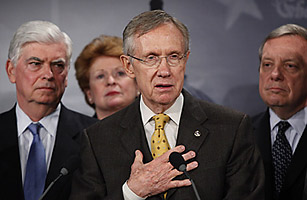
[(158, 175), (138, 156), (192, 165), (165, 156), (189, 155), (180, 183), (138, 160)]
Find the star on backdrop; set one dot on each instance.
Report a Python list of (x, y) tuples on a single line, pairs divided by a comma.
[(237, 7)]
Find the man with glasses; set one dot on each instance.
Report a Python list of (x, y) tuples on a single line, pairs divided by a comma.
[(126, 156)]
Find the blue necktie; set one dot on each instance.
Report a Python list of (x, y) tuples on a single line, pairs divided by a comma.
[(282, 155), (36, 169)]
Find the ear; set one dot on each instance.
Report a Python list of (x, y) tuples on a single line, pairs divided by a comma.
[(89, 95), (66, 82), (187, 56), (11, 71), (66, 79), (127, 66)]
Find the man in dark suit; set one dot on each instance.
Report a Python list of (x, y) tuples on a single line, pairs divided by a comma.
[(282, 86), (117, 153), (38, 64)]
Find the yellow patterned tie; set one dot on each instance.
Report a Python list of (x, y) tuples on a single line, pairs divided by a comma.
[(159, 143)]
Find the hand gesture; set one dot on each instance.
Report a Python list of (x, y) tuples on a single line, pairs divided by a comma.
[(157, 176)]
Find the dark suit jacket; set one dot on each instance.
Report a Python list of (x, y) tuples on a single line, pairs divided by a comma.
[(295, 178), (67, 144), (229, 164)]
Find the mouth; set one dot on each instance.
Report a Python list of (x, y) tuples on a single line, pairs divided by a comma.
[(112, 93), (46, 88), (163, 86), (276, 90)]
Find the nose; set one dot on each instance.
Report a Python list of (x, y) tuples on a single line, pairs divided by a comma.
[(276, 73), (110, 80), (47, 72), (164, 68)]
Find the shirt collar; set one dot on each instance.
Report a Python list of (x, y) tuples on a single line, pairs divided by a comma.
[(298, 121), (49, 122), (174, 112)]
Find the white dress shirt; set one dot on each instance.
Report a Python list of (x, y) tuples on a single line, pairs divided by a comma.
[(294, 132), (171, 132), (47, 134)]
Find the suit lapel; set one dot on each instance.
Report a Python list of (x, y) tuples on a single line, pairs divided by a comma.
[(299, 161), (261, 124), (263, 137), (133, 135), (64, 138), (192, 129), (10, 168)]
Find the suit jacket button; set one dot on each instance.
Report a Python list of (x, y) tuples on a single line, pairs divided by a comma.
[(197, 133)]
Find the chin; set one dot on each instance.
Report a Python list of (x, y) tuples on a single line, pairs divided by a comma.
[(116, 104), (275, 102), (166, 101)]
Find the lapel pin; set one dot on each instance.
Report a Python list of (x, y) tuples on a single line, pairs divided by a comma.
[(197, 133)]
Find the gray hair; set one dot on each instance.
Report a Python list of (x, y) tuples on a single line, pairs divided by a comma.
[(288, 29), (147, 21), (41, 32)]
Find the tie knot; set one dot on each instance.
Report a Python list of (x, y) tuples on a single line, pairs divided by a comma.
[(34, 128), (160, 120), (283, 126)]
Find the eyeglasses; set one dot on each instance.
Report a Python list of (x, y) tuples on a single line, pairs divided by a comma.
[(154, 61)]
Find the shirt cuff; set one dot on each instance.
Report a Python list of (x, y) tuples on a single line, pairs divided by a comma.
[(128, 194)]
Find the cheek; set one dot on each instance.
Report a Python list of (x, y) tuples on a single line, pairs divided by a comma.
[(62, 79), (262, 79), (127, 84), (143, 81), (179, 76), (97, 89), (27, 80), (297, 87)]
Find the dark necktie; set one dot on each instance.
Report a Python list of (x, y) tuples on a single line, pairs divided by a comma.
[(282, 155), (36, 169)]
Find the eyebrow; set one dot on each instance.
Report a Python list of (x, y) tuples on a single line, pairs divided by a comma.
[(35, 58), (60, 60), (157, 54)]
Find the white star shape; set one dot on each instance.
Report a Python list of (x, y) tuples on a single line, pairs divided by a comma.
[(236, 7)]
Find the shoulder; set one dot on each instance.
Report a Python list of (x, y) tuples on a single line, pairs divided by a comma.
[(76, 117), (259, 118), (125, 118), (7, 114), (211, 110)]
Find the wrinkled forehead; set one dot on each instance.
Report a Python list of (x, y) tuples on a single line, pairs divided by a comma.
[(56, 50), (291, 44), (166, 37)]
